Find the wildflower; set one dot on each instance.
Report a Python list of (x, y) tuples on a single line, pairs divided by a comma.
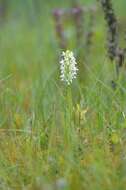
[(61, 183), (80, 113), (18, 120), (115, 139), (68, 67)]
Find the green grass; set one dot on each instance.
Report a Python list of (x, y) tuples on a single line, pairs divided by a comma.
[(44, 145)]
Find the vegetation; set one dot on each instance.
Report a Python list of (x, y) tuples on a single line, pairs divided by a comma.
[(54, 135)]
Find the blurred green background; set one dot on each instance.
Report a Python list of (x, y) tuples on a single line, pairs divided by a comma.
[(33, 147)]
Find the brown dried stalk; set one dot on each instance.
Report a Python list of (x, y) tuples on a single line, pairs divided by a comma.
[(115, 53), (112, 28), (57, 13)]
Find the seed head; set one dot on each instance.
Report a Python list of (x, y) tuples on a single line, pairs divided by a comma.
[(68, 67)]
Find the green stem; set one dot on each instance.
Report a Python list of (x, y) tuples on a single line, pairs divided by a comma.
[(68, 113)]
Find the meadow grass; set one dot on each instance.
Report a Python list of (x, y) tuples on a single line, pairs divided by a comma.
[(43, 145)]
